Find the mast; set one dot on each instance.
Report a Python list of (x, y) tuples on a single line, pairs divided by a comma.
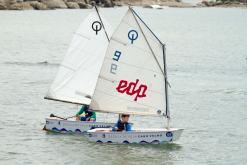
[(110, 85), (166, 87), (165, 69), (102, 23)]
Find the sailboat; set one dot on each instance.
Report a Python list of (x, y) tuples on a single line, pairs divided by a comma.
[(133, 80), (78, 73)]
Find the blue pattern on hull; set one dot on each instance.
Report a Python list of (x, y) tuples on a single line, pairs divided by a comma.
[(126, 142), (55, 129), (78, 131), (63, 130), (155, 142), (141, 142)]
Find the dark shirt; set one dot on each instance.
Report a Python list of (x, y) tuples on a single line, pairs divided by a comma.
[(120, 126)]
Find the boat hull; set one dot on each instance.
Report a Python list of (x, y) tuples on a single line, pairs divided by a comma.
[(154, 136), (69, 126)]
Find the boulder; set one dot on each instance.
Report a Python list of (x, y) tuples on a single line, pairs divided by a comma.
[(20, 6), (219, 3), (38, 6), (92, 3), (3, 6), (55, 4), (108, 3), (83, 5), (72, 5), (10, 2)]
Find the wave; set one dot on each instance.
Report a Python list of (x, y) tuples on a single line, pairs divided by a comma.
[(42, 63)]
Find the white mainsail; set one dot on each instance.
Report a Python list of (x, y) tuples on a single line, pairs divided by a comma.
[(131, 79), (78, 73)]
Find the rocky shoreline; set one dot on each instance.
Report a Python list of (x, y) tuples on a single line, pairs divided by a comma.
[(81, 4), (85, 4), (223, 3)]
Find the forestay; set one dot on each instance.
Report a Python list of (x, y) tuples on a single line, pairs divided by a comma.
[(78, 73), (131, 79)]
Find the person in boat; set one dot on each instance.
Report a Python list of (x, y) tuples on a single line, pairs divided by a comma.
[(122, 124), (85, 114)]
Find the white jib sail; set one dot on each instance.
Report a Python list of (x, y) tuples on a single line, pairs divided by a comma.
[(78, 73), (132, 75)]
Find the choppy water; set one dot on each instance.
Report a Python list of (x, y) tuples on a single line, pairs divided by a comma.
[(207, 62)]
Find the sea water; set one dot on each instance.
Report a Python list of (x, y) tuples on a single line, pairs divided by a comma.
[(207, 69)]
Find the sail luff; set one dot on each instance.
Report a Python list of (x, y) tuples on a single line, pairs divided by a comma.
[(166, 83), (102, 23), (146, 26), (146, 40)]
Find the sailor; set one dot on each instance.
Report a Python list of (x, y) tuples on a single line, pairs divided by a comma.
[(85, 114), (122, 124)]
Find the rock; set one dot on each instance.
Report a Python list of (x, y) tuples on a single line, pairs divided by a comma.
[(55, 4), (108, 3), (93, 3), (21, 6), (72, 5), (83, 5), (38, 6), (3, 6), (219, 3), (208, 3), (10, 2)]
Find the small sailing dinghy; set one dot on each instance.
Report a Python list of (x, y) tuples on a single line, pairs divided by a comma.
[(133, 80), (78, 73)]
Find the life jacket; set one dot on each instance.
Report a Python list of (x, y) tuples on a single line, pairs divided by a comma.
[(121, 126), (88, 113)]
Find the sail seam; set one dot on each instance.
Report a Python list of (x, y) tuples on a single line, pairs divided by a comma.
[(83, 36), (127, 100), (135, 66)]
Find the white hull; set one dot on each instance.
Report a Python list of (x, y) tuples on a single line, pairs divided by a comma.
[(69, 126), (151, 136)]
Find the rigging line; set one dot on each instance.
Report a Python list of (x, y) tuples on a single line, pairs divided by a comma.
[(147, 27), (147, 42), (102, 23)]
